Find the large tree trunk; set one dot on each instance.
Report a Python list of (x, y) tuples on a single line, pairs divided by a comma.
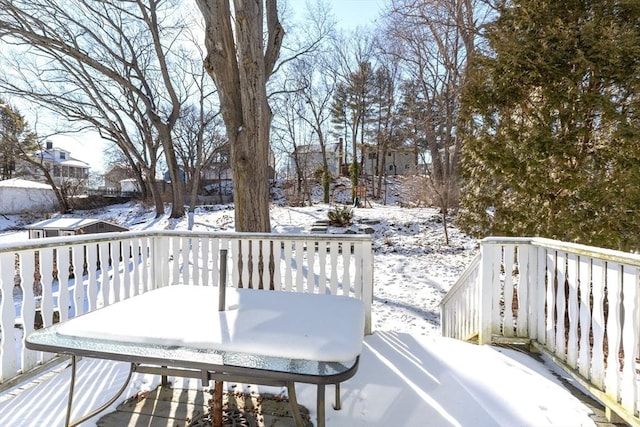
[(240, 64)]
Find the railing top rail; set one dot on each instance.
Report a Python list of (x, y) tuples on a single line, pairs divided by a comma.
[(58, 241), (473, 265), (575, 248)]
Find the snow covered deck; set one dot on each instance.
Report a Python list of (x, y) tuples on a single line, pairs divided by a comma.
[(402, 380)]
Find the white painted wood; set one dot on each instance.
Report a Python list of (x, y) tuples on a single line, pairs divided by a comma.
[(614, 293), (496, 287), (288, 265), (523, 320), (550, 297), (333, 255), (630, 338), (234, 260), (104, 293), (322, 272), (146, 261), (299, 251), (572, 310), (508, 291), (79, 293), (115, 271), (541, 295), (92, 288), (64, 261), (357, 264), (8, 359), (561, 305), (46, 279), (486, 294), (278, 258), (27, 269), (255, 252), (597, 325), (267, 259), (135, 262), (346, 274), (584, 352)]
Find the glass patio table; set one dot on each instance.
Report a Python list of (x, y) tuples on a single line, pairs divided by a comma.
[(258, 336)]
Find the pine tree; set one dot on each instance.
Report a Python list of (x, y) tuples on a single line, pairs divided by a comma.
[(552, 142)]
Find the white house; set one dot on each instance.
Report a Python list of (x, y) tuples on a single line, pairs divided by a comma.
[(20, 196), (67, 172), (310, 158), (398, 161)]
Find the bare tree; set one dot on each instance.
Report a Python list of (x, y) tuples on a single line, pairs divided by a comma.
[(119, 50), (241, 57), (315, 95), (293, 137), (434, 40)]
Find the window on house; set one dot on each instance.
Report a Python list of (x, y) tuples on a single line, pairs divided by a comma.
[(391, 167), (63, 155), (56, 171)]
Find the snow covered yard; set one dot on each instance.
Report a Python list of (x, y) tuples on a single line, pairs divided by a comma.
[(409, 375)]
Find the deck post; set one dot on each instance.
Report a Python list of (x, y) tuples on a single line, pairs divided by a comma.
[(485, 293)]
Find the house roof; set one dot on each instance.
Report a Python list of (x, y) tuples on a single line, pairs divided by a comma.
[(23, 183), (68, 224)]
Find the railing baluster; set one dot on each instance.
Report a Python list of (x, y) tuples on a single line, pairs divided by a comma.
[(523, 320), (79, 295), (26, 280), (508, 291), (597, 324), (630, 338), (112, 267), (584, 353), (8, 359), (300, 267), (561, 305), (614, 293), (551, 307)]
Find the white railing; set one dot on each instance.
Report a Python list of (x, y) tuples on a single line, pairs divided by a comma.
[(47, 280), (578, 304)]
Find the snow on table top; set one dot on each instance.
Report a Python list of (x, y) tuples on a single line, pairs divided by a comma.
[(291, 325)]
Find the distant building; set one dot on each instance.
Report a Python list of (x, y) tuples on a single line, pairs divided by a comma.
[(309, 158), (397, 161), (20, 196), (71, 226), (68, 173)]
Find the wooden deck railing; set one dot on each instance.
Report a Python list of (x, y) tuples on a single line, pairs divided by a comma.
[(47, 280), (578, 304)]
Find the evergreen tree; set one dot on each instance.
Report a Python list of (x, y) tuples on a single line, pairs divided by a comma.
[(552, 142)]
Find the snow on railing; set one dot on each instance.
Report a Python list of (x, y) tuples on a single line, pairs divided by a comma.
[(578, 304), (49, 280)]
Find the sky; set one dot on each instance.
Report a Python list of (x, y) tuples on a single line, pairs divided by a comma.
[(409, 375)]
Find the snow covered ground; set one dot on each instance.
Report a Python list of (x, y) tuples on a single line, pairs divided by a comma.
[(409, 375)]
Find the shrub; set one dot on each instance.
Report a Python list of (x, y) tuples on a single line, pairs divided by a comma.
[(340, 216)]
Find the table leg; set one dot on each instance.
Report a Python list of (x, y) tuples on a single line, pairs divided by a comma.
[(337, 405), (320, 405), (97, 410), (72, 382), (293, 401)]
